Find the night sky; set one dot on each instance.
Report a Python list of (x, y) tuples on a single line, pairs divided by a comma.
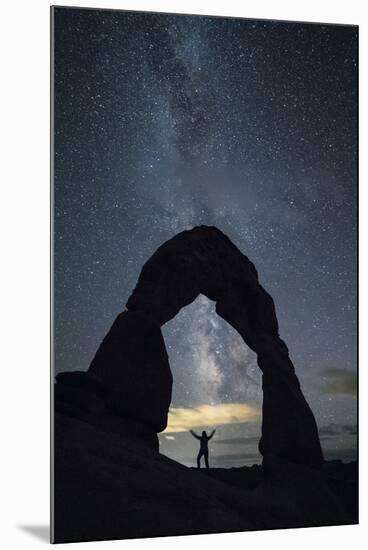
[(164, 122)]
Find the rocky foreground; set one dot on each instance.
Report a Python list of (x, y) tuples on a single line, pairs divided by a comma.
[(110, 481), (108, 486)]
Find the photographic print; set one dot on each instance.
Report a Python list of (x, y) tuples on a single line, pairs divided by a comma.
[(204, 369)]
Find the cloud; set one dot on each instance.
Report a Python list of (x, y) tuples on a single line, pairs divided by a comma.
[(339, 382), (338, 429), (184, 419)]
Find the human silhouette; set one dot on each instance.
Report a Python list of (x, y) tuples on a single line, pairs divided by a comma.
[(203, 450)]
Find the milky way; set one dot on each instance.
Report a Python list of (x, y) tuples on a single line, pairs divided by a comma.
[(164, 122)]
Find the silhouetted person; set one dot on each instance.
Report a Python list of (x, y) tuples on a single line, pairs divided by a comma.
[(203, 450)]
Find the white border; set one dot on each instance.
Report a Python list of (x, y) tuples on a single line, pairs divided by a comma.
[(24, 482)]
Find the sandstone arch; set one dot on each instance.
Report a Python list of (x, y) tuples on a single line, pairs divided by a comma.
[(132, 361)]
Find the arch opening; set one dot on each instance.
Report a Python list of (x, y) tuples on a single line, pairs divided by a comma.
[(216, 384), (211, 363)]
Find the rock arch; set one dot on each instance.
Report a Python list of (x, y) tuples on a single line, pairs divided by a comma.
[(133, 364)]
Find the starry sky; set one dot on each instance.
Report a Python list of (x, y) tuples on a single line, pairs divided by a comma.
[(163, 122)]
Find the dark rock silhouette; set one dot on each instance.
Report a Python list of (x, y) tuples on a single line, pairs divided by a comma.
[(132, 360), (133, 364), (109, 484), (110, 480)]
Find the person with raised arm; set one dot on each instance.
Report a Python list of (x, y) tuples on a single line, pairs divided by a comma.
[(203, 450)]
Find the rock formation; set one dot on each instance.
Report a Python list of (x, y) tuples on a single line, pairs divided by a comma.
[(109, 480), (132, 361), (109, 486)]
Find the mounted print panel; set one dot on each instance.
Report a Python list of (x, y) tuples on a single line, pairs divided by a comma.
[(204, 375)]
